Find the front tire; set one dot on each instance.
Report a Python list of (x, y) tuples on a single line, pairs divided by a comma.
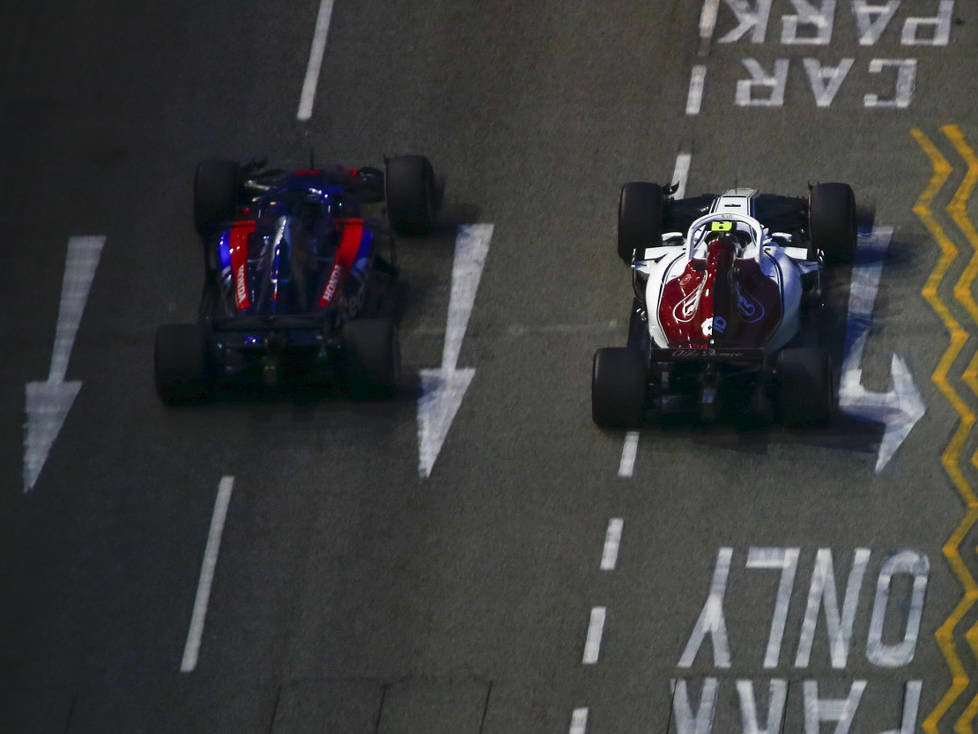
[(373, 357), (181, 368), (806, 388), (639, 219), (618, 388), (410, 194), (832, 222)]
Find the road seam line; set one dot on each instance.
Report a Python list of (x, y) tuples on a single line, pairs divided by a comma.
[(191, 650)]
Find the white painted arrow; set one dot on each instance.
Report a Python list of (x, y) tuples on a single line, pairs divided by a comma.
[(48, 402), (443, 389), (901, 407)]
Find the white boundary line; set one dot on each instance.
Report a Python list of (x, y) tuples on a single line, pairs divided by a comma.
[(192, 649), (595, 630), (612, 539), (316, 53)]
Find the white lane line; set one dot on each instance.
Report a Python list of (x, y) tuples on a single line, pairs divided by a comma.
[(629, 449), (192, 649), (595, 628), (578, 721), (612, 539), (697, 80), (316, 53), (708, 19), (680, 174)]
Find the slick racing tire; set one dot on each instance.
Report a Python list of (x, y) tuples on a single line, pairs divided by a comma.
[(618, 388), (806, 390), (832, 222), (181, 367), (639, 219), (215, 194), (410, 194), (373, 357)]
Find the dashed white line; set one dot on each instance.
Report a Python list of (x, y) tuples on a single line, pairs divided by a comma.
[(629, 449), (595, 629), (612, 539), (578, 721), (680, 174), (316, 53), (697, 80), (708, 24), (191, 650)]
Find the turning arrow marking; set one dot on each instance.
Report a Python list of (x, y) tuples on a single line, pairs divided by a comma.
[(48, 402), (901, 407), (443, 389)]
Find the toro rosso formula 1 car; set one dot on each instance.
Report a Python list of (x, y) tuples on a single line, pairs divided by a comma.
[(298, 284), (726, 291)]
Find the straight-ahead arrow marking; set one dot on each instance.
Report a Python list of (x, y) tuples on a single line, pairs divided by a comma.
[(443, 389), (48, 402), (901, 407)]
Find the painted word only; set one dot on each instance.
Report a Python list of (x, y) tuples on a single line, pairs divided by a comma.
[(823, 602), (699, 715)]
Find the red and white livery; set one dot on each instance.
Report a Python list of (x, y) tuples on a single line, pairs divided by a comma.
[(727, 290)]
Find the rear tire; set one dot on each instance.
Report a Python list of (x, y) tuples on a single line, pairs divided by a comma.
[(618, 388), (410, 194), (215, 194), (373, 357), (832, 222), (639, 219), (806, 389), (181, 367)]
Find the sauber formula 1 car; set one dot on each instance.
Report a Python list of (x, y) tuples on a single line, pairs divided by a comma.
[(727, 290), (298, 284)]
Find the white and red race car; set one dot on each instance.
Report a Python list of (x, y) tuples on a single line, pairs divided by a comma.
[(727, 290)]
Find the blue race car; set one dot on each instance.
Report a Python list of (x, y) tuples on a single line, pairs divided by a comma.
[(299, 285)]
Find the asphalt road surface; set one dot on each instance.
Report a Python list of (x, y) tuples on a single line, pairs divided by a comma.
[(543, 578)]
